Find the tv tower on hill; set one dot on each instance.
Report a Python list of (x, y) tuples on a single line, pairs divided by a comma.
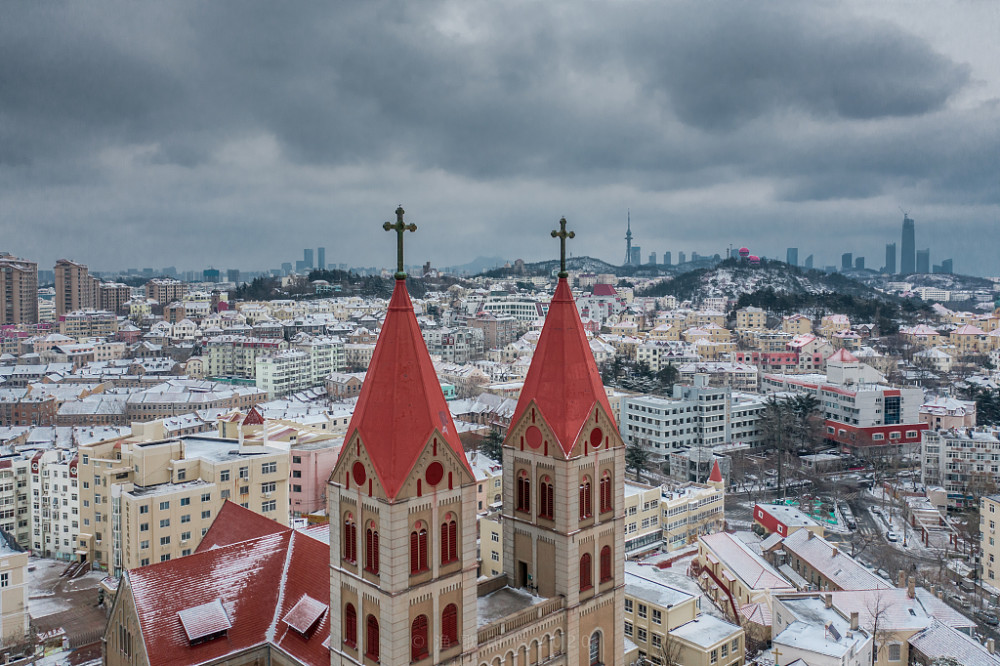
[(628, 240)]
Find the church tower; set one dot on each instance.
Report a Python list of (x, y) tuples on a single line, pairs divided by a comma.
[(401, 502), (563, 475)]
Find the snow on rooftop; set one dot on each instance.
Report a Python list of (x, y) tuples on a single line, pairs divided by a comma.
[(706, 631), (204, 620)]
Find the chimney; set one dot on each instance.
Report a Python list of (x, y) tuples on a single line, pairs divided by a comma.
[(991, 646), (835, 551), (809, 534), (901, 580), (828, 600), (854, 620), (933, 591), (911, 589)]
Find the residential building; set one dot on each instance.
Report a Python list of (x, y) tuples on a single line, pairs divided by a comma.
[(76, 289), (236, 355), (653, 609), (166, 290), (690, 510), (15, 503), (283, 372), (809, 629), (963, 461), (18, 290), (152, 501), (113, 297), (989, 516), (179, 396), (84, 324), (709, 641), (55, 504), (13, 592), (751, 318), (821, 564), (498, 331), (783, 520), (946, 413)]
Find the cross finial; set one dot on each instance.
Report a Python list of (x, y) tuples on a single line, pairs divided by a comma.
[(562, 235), (399, 228)]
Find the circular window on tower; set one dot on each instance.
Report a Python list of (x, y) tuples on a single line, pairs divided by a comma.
[(359, 473), (596, 437), (434, 473), (533, 436)]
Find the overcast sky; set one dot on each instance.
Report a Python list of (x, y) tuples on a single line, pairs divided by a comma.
[(237, 133)]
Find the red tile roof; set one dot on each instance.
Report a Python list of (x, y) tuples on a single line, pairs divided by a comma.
[(253, 417), (604, 290), (844, 356), (258, 581), (563, 380), (233, 524), (401, 403)]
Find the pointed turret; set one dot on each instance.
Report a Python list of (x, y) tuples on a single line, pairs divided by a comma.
[(401, 405), (715, 478), (253, 417), (563, 381)]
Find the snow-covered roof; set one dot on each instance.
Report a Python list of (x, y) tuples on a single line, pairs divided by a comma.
[(706, 631)]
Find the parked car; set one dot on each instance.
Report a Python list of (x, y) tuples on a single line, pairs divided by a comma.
[(892, 536), (988, 617)]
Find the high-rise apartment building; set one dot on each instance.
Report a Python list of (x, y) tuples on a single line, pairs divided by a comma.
[(18, 290), (307, 258), (859, 263), (76, 288), (924, 261), (792, 256), (321, 258), (113, 296), (681, 257), (636, 257), (846, 261), (165, 290), (908, 249), (652, 258), (233, 275), (666, 258), (890, 258), (808, 263)]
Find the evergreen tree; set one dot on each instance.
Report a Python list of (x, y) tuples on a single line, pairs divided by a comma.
[(492, 446), (636, 458)]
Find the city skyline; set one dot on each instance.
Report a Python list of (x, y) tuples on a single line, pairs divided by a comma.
[(810, 129)]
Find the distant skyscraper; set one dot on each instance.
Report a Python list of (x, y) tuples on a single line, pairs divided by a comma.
[(859, 263), (636, 258), (890, 258), (286, 267), (307, 258), (666, 258), (924, 261), (233, 275), (808, 263), (947, 267), (210, 274), (321, 258), (628, 241), (792, 256), (846, 261), (652, 258), (681, 258), (908, 250)]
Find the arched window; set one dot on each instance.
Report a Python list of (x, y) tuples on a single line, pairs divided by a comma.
[(350, 540), (546, 498), (371, 548), (606, 503), (418, 548), (523, 492), (449, 539), (449, 626), (586, 499), (371, 639), (586, 573), (595, 649), (605, 564), (418, 638), (350, 625)]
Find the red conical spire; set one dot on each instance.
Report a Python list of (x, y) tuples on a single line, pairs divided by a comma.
[(563, 380), (401, 403), (716, 475)]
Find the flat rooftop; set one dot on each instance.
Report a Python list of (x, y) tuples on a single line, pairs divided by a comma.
[(503, 603)]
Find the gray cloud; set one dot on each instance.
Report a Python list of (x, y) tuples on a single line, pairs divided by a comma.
[(231, 124)]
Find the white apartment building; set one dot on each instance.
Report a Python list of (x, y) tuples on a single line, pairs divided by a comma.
[(671, 516), (326, 355), (236, 355), (284, 372), (965, 462), (55, 504), (698, 415), (15, 507), (520, 309)]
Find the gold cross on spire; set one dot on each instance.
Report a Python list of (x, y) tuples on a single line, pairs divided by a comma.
[(562, 235), (399, 228)]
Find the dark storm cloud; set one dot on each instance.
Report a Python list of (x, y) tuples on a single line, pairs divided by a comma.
[(139, 104)]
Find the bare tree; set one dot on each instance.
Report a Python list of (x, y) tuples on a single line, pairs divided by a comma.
[(878, 609)]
